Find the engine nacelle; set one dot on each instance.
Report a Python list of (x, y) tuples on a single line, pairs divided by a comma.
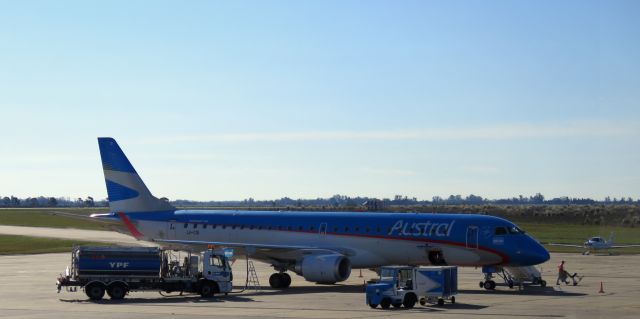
[(325, 269)]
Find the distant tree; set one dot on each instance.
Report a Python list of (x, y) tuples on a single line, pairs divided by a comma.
[(537, 198), (53, 202), (15, 202), (6, 201), (89, 202)]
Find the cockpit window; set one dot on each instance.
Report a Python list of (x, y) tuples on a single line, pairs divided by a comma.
[(501, 231), (516, 231)]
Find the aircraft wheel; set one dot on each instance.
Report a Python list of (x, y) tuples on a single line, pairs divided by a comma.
[(385, 303), (440, 302), (543, 283), (482, 284), (276, 281), (286, 280), (453, 300), (510, 284), (487, 285), (493, 284), (423, 301)]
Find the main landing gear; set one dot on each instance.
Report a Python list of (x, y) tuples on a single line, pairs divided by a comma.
[(280, 280)]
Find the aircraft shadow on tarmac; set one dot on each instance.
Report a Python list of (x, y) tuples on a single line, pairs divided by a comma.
[(527, 291)]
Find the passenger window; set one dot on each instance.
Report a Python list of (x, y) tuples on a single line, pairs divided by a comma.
[(204, 226), (346, 228), (501, 231), (300, 228), (213, 226), (186, 224), (357, 229), (195, 226)]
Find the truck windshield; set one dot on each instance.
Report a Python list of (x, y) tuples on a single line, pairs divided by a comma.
[(216, 261), (387, 275)]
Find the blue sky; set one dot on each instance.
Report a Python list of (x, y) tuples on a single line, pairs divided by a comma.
[(265, 99)]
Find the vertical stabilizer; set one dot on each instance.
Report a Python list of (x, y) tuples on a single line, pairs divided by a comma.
[(126, 190)]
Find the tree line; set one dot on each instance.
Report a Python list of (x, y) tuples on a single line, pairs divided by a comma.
[(333, 201)]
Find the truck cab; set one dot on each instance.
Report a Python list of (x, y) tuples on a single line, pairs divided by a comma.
[(215, 268)]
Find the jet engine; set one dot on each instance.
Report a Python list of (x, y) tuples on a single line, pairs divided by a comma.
[(325, 269)]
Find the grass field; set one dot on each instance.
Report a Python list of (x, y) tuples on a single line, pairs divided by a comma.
[(11, 245), (577, 234), (51, 217)]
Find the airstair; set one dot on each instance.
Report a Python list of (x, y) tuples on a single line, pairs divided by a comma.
[(252, 277)]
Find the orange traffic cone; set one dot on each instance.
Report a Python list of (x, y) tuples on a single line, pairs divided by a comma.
[(601, 288)]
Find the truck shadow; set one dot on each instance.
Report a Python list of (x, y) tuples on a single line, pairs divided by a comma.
[(187, 298)]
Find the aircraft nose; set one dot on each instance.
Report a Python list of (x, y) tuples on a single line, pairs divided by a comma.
[(538, 254), (535, 254)]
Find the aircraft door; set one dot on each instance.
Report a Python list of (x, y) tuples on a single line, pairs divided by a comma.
[(171, 230), (472, 237), (322, 230)]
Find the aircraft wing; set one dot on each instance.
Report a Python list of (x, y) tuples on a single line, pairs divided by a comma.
[(566, 245), (231, 244), (254, 247), (625, 246)]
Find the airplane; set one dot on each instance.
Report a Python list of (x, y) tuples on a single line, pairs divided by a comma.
[(597, 243), (322, 247)]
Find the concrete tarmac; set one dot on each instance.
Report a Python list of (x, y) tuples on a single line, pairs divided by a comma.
[(28, 291)]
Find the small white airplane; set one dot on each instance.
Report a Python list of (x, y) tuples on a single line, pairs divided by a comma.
[(597, 243)]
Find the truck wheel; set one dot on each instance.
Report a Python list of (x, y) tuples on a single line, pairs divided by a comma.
[(385, 303), (94, 291), (116, 291), (396, 304), (208, 289), (409, 301), (373, 306)]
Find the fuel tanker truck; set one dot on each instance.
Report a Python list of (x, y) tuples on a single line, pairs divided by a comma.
[(117, 271)]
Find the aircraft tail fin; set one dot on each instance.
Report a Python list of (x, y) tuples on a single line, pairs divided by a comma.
[(611, 238), (127, 192)]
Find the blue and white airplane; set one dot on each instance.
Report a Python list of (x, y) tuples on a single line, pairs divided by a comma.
[(322, 247)]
